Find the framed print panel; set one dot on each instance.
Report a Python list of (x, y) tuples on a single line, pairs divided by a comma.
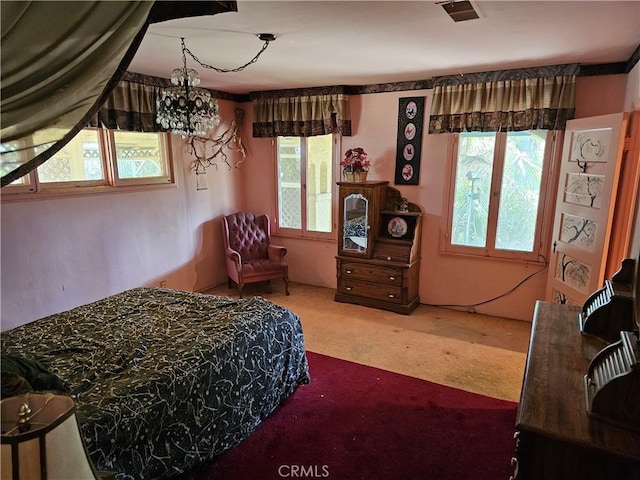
[(409, 142)]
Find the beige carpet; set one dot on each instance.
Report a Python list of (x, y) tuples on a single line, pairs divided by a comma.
[(473, 352)]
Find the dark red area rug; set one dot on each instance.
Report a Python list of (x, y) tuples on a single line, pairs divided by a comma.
[(358, 422)]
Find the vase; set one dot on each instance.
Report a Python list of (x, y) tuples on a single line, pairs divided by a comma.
[(360, 176), (354, 176)]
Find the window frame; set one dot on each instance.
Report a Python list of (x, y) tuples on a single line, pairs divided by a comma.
[(303, 232), (21, 189), (111, 183), (46, 187), (547, 192), (163, 145)]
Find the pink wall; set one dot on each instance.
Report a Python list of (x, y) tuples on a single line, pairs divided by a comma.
[(63, 252), (600, 95), (444, 279), (60, 253)]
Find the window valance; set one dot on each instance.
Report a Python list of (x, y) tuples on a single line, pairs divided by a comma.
[(132, 104), (131, 107), (301, 113), (502, 101)]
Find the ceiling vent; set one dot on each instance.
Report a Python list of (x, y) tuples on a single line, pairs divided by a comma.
[(460, 11)]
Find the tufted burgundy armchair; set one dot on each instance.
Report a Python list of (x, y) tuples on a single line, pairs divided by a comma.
[(250, 255)]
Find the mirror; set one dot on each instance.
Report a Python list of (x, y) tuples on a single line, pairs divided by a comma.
[(356, 223)]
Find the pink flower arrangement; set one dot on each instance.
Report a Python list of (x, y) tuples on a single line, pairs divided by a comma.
[(355, 160)]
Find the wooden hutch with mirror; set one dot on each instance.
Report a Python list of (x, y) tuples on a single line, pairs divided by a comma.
[(579, 410), (379, 236)]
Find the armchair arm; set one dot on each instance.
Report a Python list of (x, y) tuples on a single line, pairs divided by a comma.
[(234, 257), (276, 253)]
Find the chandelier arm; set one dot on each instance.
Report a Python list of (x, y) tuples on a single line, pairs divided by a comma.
[(226, 70)]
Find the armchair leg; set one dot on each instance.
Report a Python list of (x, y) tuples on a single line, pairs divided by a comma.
[(286, 285), (240, 287)]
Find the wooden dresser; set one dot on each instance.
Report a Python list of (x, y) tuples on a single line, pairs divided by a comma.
[(555, 436), (378, 261)]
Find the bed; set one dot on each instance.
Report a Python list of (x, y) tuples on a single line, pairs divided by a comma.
[(166, 379)]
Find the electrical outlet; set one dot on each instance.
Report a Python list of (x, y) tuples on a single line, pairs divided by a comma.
[(163, 284)]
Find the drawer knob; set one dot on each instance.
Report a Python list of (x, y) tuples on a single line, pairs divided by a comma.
[(392, 278), (349, 289), (349, 270), (391, 295), (389, 259)]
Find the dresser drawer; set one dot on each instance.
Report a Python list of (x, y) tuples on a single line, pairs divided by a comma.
[(376, 291), (392, 252), (372, 273)]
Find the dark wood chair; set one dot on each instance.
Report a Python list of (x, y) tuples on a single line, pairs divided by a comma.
[(250, 255)]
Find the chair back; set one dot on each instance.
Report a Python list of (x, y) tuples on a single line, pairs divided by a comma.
[(249, 234)]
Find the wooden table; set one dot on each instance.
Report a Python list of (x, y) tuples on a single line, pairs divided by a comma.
[(556, 438)]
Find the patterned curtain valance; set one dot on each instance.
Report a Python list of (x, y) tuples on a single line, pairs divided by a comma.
[(511, 74), (131, 107), (132, 104), (502, 104), (301, 113)]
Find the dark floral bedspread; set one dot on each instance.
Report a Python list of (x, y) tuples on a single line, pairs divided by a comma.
[(166, 379)]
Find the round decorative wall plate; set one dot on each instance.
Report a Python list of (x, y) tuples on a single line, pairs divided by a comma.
[(411, 110), (408, 152), (410, 131), (407, 172), (397, 227)]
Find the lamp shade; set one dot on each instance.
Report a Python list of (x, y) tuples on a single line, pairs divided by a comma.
[(49, 446)]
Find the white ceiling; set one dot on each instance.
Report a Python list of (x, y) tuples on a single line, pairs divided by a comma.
[(368, 42)]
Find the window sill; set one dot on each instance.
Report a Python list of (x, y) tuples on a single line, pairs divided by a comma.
[(540, 261), (77, 192), (304, 237)]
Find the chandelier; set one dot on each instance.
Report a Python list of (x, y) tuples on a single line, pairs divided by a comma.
[(184, 108)]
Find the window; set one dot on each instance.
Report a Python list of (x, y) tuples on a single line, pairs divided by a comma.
[(305, 185), (497, 193), (79, 163), (94, 158), (140, 158), (10, 161)]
